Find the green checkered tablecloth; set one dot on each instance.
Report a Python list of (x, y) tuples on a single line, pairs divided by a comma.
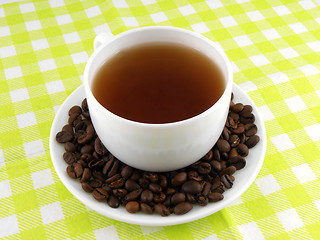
[(274, 49)]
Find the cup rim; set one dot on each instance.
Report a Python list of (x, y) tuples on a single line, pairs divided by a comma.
[(159, 125)]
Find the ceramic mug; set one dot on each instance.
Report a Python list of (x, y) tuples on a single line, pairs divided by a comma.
[(157, 147)]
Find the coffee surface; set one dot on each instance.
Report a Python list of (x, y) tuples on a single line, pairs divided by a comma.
[(158, 83)]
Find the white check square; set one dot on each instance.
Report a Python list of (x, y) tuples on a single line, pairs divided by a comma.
[(159, 17), (63, 19), (55, 87), (19, 95), (47, 65), (268, 185), (51, 213), (33, 25), (298, 28), (281, 10), (309, 70), (295, 104), (307, 4), (255, 16), (13, 72), (9, 226), (130, 21), (56, 3), (5, 190), (34, 149), (2, 14), (259, 60), (40, 44), (282, 142), (271, 34), (4, 31), (187, 10), (288, 52), (278, 77), (26, 119), (27, 7), (243, 40), (120, 3), (93, 11), (71, 37), (315, 46), (80, 57), (251, 229), (290, 219), (266, 113), (228, 21), (313, 132), (200, 27), (7, 51), (102, 28), (109, 231), (214, 4), (42, 178)]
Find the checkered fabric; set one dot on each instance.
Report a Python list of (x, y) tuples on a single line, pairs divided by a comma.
[(274, 49)]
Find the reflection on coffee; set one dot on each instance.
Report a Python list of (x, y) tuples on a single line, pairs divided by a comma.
[(158, 83)]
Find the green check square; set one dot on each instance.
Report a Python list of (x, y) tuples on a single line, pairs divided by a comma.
[(297, 195), (289, 122), (25, 201), (256, 210), (45, 13), (14, 19), (33, 233), (270, 94), (82, 227), (42, 102)]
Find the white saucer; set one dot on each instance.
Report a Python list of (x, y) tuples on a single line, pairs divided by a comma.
[(244, 177)]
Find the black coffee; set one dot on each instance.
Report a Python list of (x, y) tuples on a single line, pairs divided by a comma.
[(158, 83)]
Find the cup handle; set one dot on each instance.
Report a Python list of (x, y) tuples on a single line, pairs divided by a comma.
[(101, 39)]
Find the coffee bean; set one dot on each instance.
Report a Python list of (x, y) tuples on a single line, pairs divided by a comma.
[(131, 185), (74, 119), (163, 181), (179, 179), (95, 183), (162, 210), (84, 105), (216, 154), (203, 200), (113, 201), (208, 156), (70, 147), (86, 175), (107, 188), (252, 141), (227, 182), (78, 169), (67, 128), (133, 195), (80, 126), (75, 110), (114, 168), (146, 196), (234, 116), (215, 197), (228, 171), (113, 178), (223, 145), (170, 191), (238, 107), (133, 207), (204, 168), (192, 187), (99, 147), (246, 110), (117, 184), (182, 208), (144, 183), (87, 149), (243, 150), (238, 130), (100, 194), (85, 138), (194, 175), (234, 140), (64, 136), (167, 202), (126, 172), (69, 158), (159, 197), (216, 166), (70, 172), (146, 208), (215, 184), (120, 192), (251, 129), (107, 166), (238, 162), (86, 187), (191, 198), (178, 198), (233, 153), (156, 188), (135, 175), (206, 188)]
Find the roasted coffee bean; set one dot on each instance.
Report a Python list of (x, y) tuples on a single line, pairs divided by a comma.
[(246, 109), (113, 201), (167, 202), (64, 136), (83, 163), (252, 141), (251, 129), (179, 179), (87, 149), (78, 169), (208, 156), (85, 138), (204, 168), (75, 110), (162, 210), (100, 194), (107, 166), (234, 116), (95, 183), (86, 187), (247, 120), (146, 196), (243, 150), (131, 185), (80, 126), (234, 140), (192, 187), (194, 175), (86, 175), (107, 188), (84, 105), (163, 181), (86, 115), (96, 163), (71, 173), (206, 188), (117, 184), (242, 138), (238, 130), (239, 162), (233, 153), (226, 180), (70, 147), (133, 207), (238, 107), (216, 166), (228, 171), (135, 175), (69, 158), (144, 183), (114, 168), (215, 197), (178, 198), (146, 208), (126, 172), (133, 195), (113, 178), (203, 200), (191, 198), (182, 208), (74, 119), (86, 157), (120, 192), (159, 197), (99, 147), (170, 191), (223, 164), (223, 145), (98, 175), (215, 184), (216, 154), (156, 188), (67, 128)]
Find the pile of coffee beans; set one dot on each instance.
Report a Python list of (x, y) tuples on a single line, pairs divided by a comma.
[(112, 181)]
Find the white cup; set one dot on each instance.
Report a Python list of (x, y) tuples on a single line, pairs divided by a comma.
[(157, 147)]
